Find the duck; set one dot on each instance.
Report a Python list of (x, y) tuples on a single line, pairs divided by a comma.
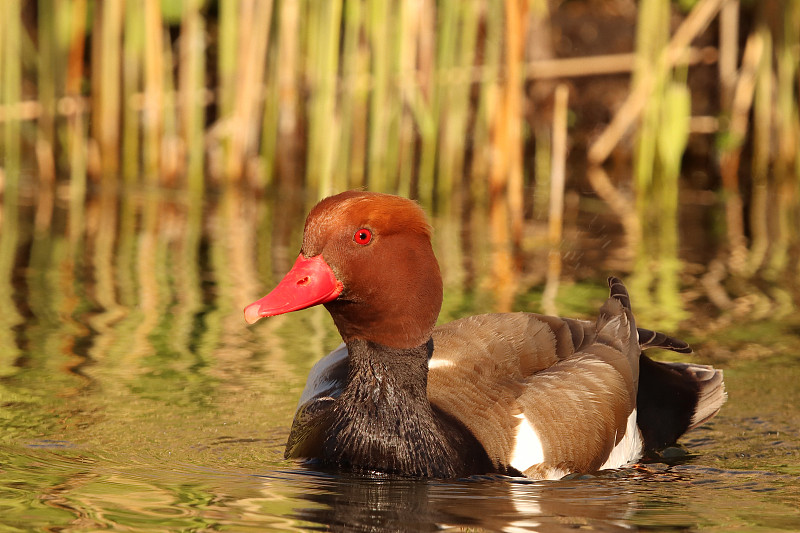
[(515, 394)]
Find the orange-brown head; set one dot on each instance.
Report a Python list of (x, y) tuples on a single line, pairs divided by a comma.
[(368, 258)]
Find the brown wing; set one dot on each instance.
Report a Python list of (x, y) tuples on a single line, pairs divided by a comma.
[(535, 403)]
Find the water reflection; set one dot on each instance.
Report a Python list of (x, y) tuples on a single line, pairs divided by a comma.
[(383, 504), (133, 396)]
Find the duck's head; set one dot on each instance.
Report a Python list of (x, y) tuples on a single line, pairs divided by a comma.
[(368, 258)]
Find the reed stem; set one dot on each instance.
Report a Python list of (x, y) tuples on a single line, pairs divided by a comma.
[(556, 213)]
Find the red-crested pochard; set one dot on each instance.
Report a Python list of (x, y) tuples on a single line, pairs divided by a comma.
[(516, 393)]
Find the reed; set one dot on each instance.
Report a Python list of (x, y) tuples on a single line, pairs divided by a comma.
[(411, 16), (662, 140), (106, 47), (323, 118), (11, 79), (133, 55), (422, 105), (297, 99), (787, 163), (380, 32), (762, 138), (226, 78), (153, 116), (289, 159), (48, 72), (254, 30), (556, 196), (76, 128), (191, 87), (505, 180)]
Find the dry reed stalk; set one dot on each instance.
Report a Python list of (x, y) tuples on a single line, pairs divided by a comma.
[(191, 85), (730, 152), (171, 156), (760, 165), (455, 110), (728, 51), (491, 55), (133, 59), (410, 19), (556, 213), (106, 53), (10, 92), (254, 23), (48, 70), (454, 116), (154, 85), (226, 74), (505, 179), (787, 161), (269, 123), (324, 138), (442, 113), (394, 105), (77, 131), (354, 158), (542, 168), (289, 154), (379, 34), (422, 107), (289, 114), (476, 221)]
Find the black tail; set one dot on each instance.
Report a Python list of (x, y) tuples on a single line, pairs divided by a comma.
[(674, 398)]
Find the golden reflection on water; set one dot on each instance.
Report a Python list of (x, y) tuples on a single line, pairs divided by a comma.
[(133, 396)]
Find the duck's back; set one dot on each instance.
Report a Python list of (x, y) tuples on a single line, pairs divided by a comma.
[(539, 393)]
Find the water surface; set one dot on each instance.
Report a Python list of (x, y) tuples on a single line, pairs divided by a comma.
[(134, 397)]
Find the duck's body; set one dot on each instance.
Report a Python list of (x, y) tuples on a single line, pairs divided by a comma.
[(517, 393)]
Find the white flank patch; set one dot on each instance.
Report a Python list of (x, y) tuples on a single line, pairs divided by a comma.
[(629, 448), (528, 449), (319, 383), (440, 363)]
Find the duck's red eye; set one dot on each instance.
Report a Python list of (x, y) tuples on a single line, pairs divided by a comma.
[(363, 236)]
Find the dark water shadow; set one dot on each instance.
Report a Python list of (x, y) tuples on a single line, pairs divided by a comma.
[(383, 503)]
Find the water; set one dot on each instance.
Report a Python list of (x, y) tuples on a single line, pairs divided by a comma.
[(134, 397)]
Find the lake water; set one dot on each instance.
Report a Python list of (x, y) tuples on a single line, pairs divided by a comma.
[(134, 397)]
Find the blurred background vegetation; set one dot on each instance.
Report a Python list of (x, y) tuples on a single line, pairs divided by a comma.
[(550, 139)]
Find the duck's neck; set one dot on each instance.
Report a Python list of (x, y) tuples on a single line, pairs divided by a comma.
[(383, 419)]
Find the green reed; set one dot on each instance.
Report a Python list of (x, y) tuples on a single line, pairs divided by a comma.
[(10, 93), (662, 139), (323, 52), (428, 99), (787, 163), (133, 56)]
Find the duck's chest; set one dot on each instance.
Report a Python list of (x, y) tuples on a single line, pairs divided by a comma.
[(383, 423)]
